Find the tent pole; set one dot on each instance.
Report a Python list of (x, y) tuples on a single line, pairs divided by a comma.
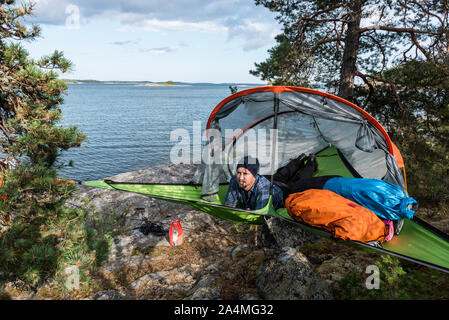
[(275, 138)]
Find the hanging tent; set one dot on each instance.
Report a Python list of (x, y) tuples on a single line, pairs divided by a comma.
[(276, 124)]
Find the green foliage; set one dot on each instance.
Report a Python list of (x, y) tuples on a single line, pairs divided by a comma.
[(283, 67), (391, 273), (333, 44), (233, 89), (416, 116), (82, 244), (395, 283), (33, 255), (35, 241), (30, 95)]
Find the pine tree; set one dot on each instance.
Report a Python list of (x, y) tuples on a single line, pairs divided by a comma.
[(31, 140), (340, 44)]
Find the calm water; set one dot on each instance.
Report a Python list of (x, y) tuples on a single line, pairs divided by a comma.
[(128, 126)]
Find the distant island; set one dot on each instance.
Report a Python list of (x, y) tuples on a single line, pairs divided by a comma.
[(166, 83), (169, 83)]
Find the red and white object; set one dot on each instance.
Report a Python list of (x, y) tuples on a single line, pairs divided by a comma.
[(175, 233)]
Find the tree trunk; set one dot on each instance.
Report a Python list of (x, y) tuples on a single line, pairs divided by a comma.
[(348, 68)]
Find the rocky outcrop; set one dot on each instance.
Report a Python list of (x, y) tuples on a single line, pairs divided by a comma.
[(289, 276), (218, 259), (287, 234)]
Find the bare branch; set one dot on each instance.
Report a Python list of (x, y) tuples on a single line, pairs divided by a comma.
[(418, 46), (404, 54), (381, 48), (319, 44), (325, 20), (370, 87), (318, 13), (392, 86), (427, 12), (398, 30)]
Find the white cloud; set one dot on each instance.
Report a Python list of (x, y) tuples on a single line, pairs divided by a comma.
[(240, 20), (50, 12), (162, 50), (254, 34), (125, 42), (140, 22)]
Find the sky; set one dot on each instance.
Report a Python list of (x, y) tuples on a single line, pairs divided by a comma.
[(214, 41)]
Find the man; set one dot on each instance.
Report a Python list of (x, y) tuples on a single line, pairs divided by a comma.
[(250, 190)]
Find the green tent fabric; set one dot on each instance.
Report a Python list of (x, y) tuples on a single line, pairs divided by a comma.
[(418, 241), (188, 195)]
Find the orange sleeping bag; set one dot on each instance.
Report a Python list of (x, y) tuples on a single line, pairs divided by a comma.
[(344, 218)]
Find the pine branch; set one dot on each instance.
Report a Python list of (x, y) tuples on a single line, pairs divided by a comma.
[(397, 30)]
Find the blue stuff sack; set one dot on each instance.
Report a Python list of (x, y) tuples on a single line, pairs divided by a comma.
[(386, 200)]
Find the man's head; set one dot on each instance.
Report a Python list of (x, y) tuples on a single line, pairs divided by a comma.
[(247, 169)]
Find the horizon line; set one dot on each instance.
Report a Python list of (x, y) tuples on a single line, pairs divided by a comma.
[(159, 82)]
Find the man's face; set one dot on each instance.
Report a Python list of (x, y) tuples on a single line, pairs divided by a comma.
[(245, 178)]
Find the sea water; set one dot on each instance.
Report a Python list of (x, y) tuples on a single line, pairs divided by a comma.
[(128, 126)]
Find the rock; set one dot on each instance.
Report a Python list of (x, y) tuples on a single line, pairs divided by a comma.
[(133, 207), (290, 276), (138, 261), (265, 238), (204, 290), (178, 278), (442, 225), (110, 295), (287, 234), (235, 252), (212, 269), (129, 244), (337, 267), (248, 296), (206, 293)]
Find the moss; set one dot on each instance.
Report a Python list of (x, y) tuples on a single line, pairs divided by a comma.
[(398, 281), (5, 296), (316, 248), (256, 258)]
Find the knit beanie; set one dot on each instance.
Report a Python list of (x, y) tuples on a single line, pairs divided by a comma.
[(250, 163)]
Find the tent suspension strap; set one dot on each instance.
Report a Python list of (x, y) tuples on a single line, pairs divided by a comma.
[(275, 138)]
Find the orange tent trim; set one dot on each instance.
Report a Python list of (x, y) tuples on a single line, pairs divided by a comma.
[(279, 89)]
